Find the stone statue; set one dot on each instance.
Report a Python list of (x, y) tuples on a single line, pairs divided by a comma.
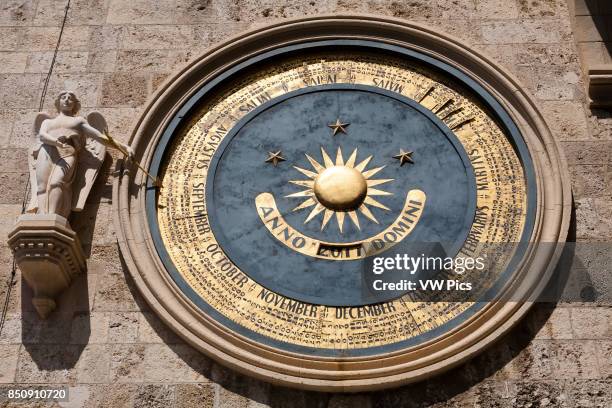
[(66, 157)]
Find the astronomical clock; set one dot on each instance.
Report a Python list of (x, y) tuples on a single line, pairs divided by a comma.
[(281, 162)]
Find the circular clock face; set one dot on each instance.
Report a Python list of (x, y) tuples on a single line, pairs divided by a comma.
[(282, 185), (294, 177)]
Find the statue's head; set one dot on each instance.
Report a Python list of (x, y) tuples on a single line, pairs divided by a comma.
[(67, 103)]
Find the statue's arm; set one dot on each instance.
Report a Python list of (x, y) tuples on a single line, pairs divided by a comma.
[(90, 131), (46, 138)]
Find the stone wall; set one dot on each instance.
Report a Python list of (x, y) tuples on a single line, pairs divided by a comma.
[(112, 351)]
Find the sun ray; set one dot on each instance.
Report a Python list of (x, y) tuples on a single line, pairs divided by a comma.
[(371, 172), (340, 218), (326, 217), (327, 161), (366, 211), (308, 203), (307, 173), (364, 163), (374, 203), (305, 193), (377, 192), (315, 211), (350, 163), (315, 164), (303, 183), (372, 183), (339, 159), (355, 218)]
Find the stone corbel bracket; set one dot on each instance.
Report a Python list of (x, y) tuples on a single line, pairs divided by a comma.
[(49, 255), (600, 85)]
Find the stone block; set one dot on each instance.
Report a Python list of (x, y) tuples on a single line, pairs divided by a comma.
[(157, 37), (127, 363), (66, 62), (11, 38), (604, 356), (527, 393), (17, 12), (123, 327), (588, 181), (102, 61), (590, 393), (497, 9), (50, 12), (522, 31), (139, 12), (47, 364), (557, 325), (19, 90), (350, 401), (154, 396), (194, 11), (593, 219), (113, 294), (13, 62), (153, 60), (39, 38), (174, 363), (533, 361), (592, 322), (567, 120), (11, 330), (12, 187), (153, 330), (574, 359), (8, 362), (111, 396), (230, 399), (583, 153), (194, 395), (94, 365), (540, 9), (87, 12), (90, 328), (123, 90)]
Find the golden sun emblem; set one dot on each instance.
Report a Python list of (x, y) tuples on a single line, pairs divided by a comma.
[(339, 188)]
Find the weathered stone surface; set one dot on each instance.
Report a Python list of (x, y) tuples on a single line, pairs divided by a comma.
[(153, 330), (123, 89), (194, 395), (47, 364), (94, 364), (127, 363), (123, 327), (174, 363), (8, 362), (154, 396), (17, 12)]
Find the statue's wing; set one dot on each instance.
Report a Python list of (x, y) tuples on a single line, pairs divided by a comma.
[(32, 156), (90, 159)]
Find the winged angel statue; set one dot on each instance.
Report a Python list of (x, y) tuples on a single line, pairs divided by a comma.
[(66, 157)]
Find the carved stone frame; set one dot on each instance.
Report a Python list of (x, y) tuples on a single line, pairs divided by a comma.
[(355, 373)]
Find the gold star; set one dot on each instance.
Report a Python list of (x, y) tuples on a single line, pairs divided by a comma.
[(275, 158), (404, 157), (338, 127)]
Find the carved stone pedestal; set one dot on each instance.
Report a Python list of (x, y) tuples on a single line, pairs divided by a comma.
[(49, 256)]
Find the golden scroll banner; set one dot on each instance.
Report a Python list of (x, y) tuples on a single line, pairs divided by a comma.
[(344, 251)]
